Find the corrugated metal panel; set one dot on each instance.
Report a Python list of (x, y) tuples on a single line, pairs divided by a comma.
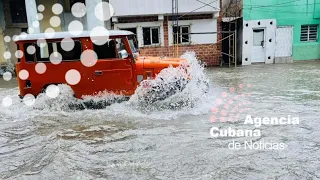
[(284, 37)]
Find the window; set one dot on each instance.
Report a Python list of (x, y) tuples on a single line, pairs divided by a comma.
[(258, 37), (28, 53), (18, 11), (133, 30), (121, 49), (309, 33), (108, 50), (70, 3), (181, 34), (151, 35), (24, 30), (53, 48)]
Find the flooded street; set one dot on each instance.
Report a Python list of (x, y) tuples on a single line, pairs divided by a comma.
[(124, 141)]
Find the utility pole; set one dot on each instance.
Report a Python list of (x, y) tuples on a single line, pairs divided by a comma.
[(175, 27)]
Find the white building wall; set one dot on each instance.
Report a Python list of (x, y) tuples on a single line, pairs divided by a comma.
[(198, 26), (139, 26), (270, 26), (155, 7)]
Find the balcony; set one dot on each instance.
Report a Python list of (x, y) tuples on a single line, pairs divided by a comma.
[(156, 7)]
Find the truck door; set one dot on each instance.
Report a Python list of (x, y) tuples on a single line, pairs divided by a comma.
[(113, 71)]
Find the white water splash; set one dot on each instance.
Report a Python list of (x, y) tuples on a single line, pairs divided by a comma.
[(196, 98)]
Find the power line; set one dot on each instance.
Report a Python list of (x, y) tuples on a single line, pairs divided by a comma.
[(250, 6), (288, 2), (207, 4), (197, 9), (277, 11)]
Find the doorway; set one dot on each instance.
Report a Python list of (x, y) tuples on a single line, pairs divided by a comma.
[(258, 46)]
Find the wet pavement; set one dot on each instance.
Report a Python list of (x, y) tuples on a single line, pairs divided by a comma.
[(124, 142)]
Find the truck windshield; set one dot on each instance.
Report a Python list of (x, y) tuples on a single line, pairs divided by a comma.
[(133, 44)]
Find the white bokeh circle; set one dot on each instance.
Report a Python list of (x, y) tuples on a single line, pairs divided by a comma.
[(104, 11), (7, 55), (7, 101), (23, 35), (7, 76), (75, 27), (31, 50), (41, 8), (67, 44), (49, 32), (89, 58), (39, 16), (29, 99), (30, 30), (73, 77), (36, 24), (99, 35), (41, 43), (19, 54), (57, 9), (52, 91), (55, 21), (79, 10), (23, 74), (7, 39), (15, 38), (55, 58), (41, 68)]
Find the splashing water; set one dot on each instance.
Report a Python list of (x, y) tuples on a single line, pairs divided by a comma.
[(171, 89), (191, 97)]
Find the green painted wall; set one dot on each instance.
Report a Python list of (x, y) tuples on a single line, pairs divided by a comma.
[(289, 13)]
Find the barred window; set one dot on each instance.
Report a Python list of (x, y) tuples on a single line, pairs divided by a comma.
[(309, 33), (181, 34), (151, 35)]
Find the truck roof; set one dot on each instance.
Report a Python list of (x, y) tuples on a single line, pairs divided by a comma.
[(66, 34)]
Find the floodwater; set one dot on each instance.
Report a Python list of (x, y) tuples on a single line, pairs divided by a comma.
[(130, 141)]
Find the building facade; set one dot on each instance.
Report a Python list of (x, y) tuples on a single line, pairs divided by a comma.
[(280, 32), (40, 16), (13, 21), (152, 21)]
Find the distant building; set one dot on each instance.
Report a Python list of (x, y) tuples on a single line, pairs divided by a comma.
[(33, 16), (13, 21), (280, 31), (152, 21), (198, 28)]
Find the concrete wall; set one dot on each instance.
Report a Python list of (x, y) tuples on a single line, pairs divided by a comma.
[(293, 13), (2, 26), (47, 14), (198, 26), (139, 26), (2, 48), (247, 42), (154, 7), (206, 47)]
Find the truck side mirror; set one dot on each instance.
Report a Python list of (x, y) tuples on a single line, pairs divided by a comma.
[(123, 54)]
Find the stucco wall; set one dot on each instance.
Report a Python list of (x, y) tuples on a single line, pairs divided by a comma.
[(292, 13), (153, 7), (198, 26)]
